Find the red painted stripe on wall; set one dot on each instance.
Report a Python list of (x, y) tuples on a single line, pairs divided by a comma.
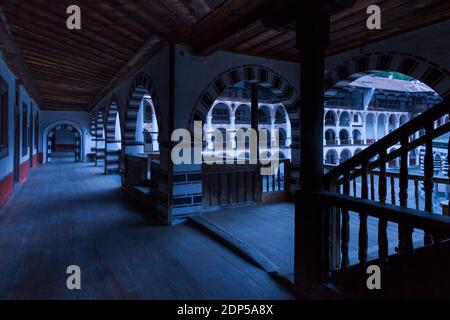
[(24, 171), (64, 147), (6, 188), (35, 160)]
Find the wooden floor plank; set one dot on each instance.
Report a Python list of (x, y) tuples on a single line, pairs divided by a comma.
[(73, 214)]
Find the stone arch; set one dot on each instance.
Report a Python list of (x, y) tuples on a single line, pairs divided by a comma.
[(344, 136), (216, 113), (357, 136), (49, 132), (243, 114), (142, 86), (330, 137), (345, 155), (99, 137), (344, 119), (267, 78), (392, 122), (403, 119), (331, 157), (417, 67), (331, 118), (113, 135), (370, 128), (381, 125)]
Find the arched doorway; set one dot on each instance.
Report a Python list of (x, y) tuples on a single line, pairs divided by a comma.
[(269, 82), (113, 143), (142, 118), (64, 144)]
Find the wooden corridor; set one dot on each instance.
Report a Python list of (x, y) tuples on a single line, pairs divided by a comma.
[(68, 214)]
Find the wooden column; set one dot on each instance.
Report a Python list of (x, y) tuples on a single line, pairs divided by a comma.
[(254, 107), (311, 259), (170, 128), (254, 114)]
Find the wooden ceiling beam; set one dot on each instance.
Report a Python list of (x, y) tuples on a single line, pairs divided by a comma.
[(14, 59)]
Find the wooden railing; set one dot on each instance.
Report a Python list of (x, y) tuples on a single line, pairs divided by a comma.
[(370, 162), (392, 181), (277, 182), (225, 185)]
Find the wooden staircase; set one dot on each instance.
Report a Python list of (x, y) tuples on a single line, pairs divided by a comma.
[(414, 270)]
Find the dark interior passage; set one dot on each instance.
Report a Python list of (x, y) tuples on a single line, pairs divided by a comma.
[(72, 214)]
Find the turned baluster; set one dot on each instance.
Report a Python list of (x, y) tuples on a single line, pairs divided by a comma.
[(372, 187), (428, 175), (392, 179), (345, 229), (362, 253), (382, 222), (416, 194)]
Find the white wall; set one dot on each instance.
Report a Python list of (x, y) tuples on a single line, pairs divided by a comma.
[(6, 163)]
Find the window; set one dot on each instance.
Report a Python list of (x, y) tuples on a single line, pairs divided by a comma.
[(25, 144), (3, 118), (355, 118)]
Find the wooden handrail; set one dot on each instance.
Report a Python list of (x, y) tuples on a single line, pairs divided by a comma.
[(414, 177), (426, 118), (435, 224)]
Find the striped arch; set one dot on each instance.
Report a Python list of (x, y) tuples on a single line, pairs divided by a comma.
[(419, 68), (267, 78), (52, 133), (112, 145), (142, 85), (99, 137)]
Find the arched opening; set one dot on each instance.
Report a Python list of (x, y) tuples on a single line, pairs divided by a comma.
[(378, 102), (345, 155), (113, 138), (282, 137), (243, 114), (264, 115), (344, 137), (220, 114), (63, 144), (280, 115), (392, 123), (331, 157), (330, 118), (344, 119), (370, 128), (403, 119), (330, 137), (357, 137), (381, 127), (229, 117), (142, 121)]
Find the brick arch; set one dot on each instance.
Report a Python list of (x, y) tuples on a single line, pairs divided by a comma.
[(417, 67), (261, 74), (111, 151), (142, 85), (266, 77), (71, 127), (99, 136)]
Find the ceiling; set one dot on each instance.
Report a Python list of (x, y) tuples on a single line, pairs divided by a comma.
[(72, 70)]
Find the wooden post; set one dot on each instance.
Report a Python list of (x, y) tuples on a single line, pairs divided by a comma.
[(254, 114), (310, 256)]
